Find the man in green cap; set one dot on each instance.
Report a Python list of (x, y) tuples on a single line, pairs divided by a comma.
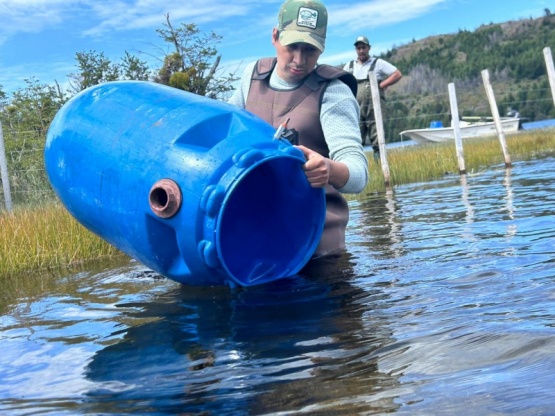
[(320, 105)]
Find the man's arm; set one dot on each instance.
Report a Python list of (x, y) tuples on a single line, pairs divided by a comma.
[(390, 80), (340, 123)]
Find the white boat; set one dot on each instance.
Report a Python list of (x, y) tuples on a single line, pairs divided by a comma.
[(468, 127)]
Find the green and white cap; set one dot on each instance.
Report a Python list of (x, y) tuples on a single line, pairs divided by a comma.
[(362, 39), (303, 21)]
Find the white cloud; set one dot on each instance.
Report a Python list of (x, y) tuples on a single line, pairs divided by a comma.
[(148, 14), (31, 16), (372, 14)]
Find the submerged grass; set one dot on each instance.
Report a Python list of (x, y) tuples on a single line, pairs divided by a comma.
[(47, 237)]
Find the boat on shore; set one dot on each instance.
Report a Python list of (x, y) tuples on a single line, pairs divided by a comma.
[(470, 127)]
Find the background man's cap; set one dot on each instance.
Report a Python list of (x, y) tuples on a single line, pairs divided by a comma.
[(362, 39), (303, 21)]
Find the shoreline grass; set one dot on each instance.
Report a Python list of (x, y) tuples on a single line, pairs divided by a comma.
[(47, 237), (421, 163), (44, 238)]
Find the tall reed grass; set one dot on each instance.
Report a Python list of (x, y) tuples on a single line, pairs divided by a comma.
[(46, 237), (421, 163)]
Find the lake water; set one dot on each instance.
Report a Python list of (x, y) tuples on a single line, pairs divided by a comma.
[(444, 304), (540, 124)]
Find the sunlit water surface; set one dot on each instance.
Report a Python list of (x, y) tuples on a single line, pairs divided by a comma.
[(444, 304)]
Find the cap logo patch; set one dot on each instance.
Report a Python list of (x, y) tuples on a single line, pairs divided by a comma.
[(307, 17)]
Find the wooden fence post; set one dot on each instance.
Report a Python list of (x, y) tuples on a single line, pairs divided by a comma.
[(496, 118), (550, 70), (379, 125), (456, 127), (4, 173)]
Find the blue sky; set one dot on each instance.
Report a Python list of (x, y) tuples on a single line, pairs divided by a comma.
[(39, 38)]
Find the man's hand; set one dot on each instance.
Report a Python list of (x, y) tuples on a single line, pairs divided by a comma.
[(321, 171), (317, 167)]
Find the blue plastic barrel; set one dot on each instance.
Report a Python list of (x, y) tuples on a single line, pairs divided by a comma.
[(195, 189), (436, 124)]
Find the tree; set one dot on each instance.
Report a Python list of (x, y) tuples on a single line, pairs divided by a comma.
[(3, 97), (132, 68), (3, 102), (193, 64), (32, 108), (25, 121), (95, 68)]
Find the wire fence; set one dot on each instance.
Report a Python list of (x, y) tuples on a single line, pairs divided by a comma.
[(24, 178)]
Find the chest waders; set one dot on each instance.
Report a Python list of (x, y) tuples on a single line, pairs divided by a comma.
[(302, 106), (367, 122)]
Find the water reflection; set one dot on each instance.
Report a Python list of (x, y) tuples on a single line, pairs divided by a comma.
[(510, 196), (379, 226), (301, 342), (512, 228), (467, 232)]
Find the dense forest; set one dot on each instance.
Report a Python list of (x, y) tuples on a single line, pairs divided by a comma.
[(512, 52)]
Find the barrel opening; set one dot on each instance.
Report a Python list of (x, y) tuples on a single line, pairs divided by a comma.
[(271, 222)]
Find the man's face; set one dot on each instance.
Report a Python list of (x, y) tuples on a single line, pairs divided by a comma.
[(363, 51), (294, 61)]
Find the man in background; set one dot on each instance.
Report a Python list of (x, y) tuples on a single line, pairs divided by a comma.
[(386, 74)]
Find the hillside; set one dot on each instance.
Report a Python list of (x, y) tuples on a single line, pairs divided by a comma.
[(512, 52)]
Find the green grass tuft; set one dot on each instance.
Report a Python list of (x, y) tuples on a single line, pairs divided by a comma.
[(46, 237)]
